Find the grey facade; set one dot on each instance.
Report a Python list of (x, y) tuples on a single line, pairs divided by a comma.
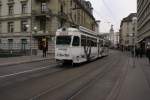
[(143, 15), (128, 31)]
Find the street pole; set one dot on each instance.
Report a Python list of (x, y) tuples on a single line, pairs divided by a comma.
[(31, 44), (27, 26), (31, 34), (134, 20)]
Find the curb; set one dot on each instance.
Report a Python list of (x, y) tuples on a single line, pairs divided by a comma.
[(23, 62)]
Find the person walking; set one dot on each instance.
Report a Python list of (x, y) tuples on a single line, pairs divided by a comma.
[(140, 52), (136, 52), (44, 50), (148, 54)]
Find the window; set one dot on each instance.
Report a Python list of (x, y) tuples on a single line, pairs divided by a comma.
[(43, 24), (71, 2), (10, 0), (0, 27), (10, 44), (83, 41), (78, 17), (23, 44), (10, 27), (63, 40), (75, 17), (1, 44), (24, 8), (43, 7), (76, 41), (10, 9), (0, 10), (23, 26), (89, 42)]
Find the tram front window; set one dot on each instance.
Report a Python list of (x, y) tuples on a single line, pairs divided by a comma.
[(63, 40)]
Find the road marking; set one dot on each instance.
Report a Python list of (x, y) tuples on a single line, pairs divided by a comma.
[(23, 72)]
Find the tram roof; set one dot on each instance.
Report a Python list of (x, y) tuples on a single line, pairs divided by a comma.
[(79, 29), (70, 29), (87, 31)]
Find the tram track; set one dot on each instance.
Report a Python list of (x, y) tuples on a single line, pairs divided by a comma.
[(102, 72), (92, 81), (28, 74), (51, 80), (98, 80)]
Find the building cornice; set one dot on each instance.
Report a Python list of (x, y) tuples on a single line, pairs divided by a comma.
[(83, 7), (15, 17)]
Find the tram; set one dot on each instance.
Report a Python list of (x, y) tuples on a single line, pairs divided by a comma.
[(77, 45)]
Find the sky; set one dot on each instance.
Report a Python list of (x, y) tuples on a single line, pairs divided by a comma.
[(111, 12)]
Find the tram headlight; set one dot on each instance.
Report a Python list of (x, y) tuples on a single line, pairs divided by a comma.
[(77, 58)]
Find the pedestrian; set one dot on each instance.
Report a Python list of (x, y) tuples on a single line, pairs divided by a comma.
[(148, 54), (44, 50), (140, 52), (132, 52), (136, 52)]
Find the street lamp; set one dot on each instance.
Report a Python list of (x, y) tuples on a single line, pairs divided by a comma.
[(134, 22), (27, 26), (35, 28)]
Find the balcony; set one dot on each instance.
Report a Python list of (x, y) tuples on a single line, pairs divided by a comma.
[(47, 13), (10, 2), (40, 33)]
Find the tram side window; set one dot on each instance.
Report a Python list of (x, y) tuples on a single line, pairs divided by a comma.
[(89, 42), (76, 41), (101, 43), (83, 41), (93, 42)]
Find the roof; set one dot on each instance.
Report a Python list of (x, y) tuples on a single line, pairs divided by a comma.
[(129, 18)]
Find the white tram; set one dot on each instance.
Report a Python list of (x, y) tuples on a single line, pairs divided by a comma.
[(79, 45)]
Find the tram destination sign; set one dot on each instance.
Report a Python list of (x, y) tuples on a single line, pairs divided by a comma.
[(63, 33)]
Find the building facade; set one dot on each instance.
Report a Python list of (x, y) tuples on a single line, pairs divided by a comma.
[(27, 24), (128, 32), (116, 40), (111, 36), (143, 15)]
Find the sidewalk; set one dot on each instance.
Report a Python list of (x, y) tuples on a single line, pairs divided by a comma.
[(23, 59), (136, 85)]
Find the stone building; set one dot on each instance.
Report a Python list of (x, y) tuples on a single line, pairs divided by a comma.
[(143, 16), (111, 36), (26, 24), (128, 32)]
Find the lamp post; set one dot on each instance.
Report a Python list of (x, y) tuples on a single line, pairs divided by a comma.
[(134, 21), (35, 28), (27, 26)]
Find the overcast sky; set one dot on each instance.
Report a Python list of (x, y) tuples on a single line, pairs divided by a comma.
[(112, 12)]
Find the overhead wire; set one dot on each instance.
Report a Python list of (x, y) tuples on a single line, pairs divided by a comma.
[(110, 11)]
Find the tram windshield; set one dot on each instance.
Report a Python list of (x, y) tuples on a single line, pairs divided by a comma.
[(63, 40)]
